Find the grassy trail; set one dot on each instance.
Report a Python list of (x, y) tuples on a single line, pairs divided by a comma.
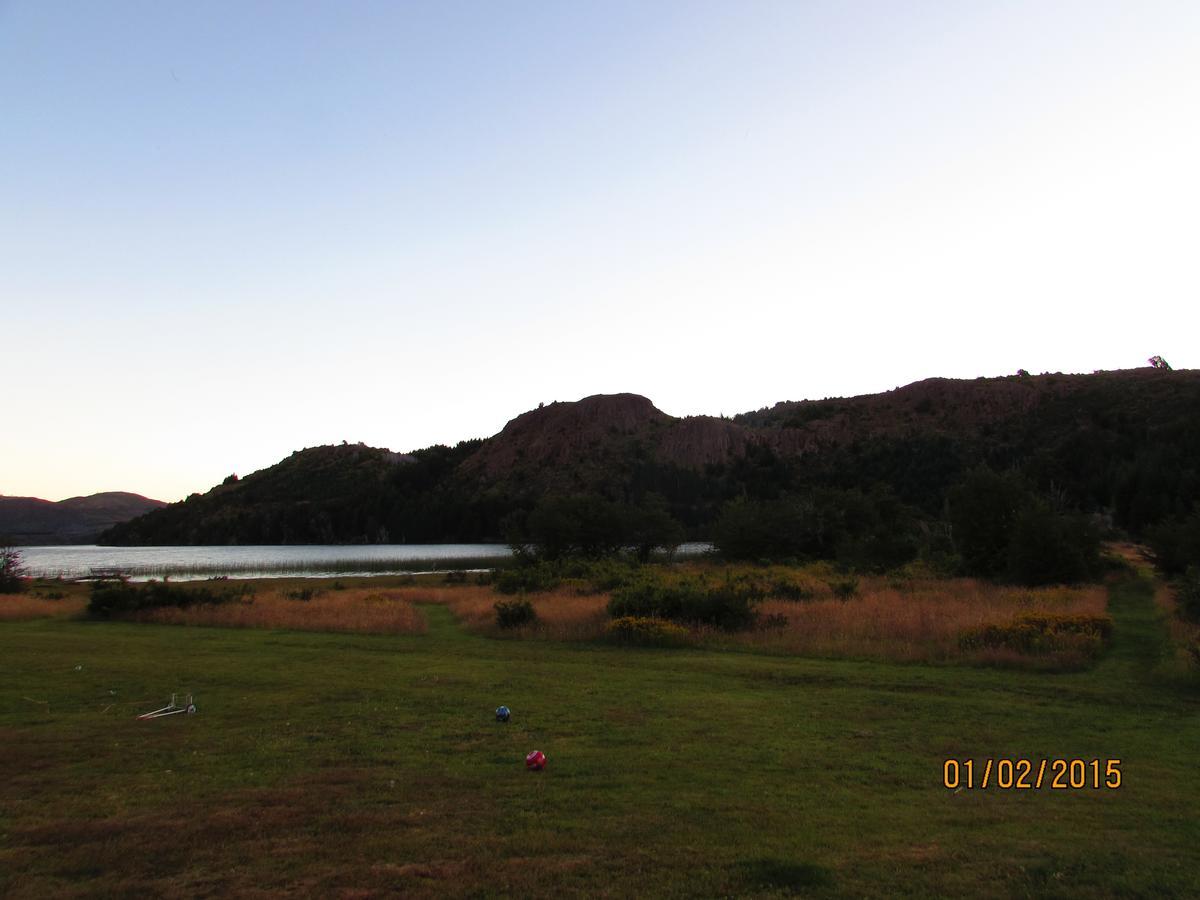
[(1141, 641), (443, 627), (1139, 636)]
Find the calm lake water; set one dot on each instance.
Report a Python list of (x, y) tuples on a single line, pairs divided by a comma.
[(309, 560)]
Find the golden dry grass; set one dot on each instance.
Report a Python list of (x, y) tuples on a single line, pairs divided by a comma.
[(361, 610), (1185, 636), (908, 620), (905, 619), (563, 614), (915, 620), (20, 607)]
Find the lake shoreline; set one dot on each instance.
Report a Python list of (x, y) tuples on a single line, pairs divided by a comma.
[(197, 563)]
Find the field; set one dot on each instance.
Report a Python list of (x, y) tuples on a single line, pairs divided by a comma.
[(887, 619), (358, 765)]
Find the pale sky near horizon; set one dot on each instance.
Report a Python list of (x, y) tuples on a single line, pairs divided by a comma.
[(230, 230)]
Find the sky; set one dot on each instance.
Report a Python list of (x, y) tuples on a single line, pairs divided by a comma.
[(230, 230)]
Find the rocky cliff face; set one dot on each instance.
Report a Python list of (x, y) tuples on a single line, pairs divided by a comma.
[(562, 434)]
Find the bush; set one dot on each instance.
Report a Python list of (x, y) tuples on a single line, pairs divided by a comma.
[(1041, 634), (645, 630), (609, 575), (514, 613), (786, 589), (12, 572), (529, 578), (844, 588), (774, 620), (303, 594), (119, 597), (1187, 594), (1175, 545), (729, 605)]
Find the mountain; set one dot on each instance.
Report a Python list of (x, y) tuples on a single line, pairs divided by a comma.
[(79, 520), (1124, 444)]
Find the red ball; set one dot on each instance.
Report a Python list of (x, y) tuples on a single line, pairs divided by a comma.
[(536, 761)]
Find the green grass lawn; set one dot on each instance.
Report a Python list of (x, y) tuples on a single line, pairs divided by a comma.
[(359, 765)]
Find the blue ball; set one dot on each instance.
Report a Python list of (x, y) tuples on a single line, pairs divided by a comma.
[(502, 714)]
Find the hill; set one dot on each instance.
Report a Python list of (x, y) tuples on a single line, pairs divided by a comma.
[(78, 520), (1122, 444)]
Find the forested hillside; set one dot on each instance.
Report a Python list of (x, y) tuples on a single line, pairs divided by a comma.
[(1123, 447)]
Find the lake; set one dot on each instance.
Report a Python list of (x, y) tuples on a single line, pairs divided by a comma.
[(307, 560)]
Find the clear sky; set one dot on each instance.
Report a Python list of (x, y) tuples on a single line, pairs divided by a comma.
[(229, 230)]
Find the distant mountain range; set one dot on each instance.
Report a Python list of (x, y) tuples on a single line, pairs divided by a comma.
[(1124, 444), (79, 520)]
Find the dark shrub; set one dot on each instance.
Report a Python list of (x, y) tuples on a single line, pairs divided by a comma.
[(611, 574), (844, 588), (786, 589), (774, 620), (303, 594), (1175, 545), (1187, 594), (119, 597), (528, 578), (729, 605), (514, 613)]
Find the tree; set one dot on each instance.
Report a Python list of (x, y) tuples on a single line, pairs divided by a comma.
[(1159, 363), (12, 572), (792, 526), (581, 525), (1047, 548), (983, 510), (650, 526)]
